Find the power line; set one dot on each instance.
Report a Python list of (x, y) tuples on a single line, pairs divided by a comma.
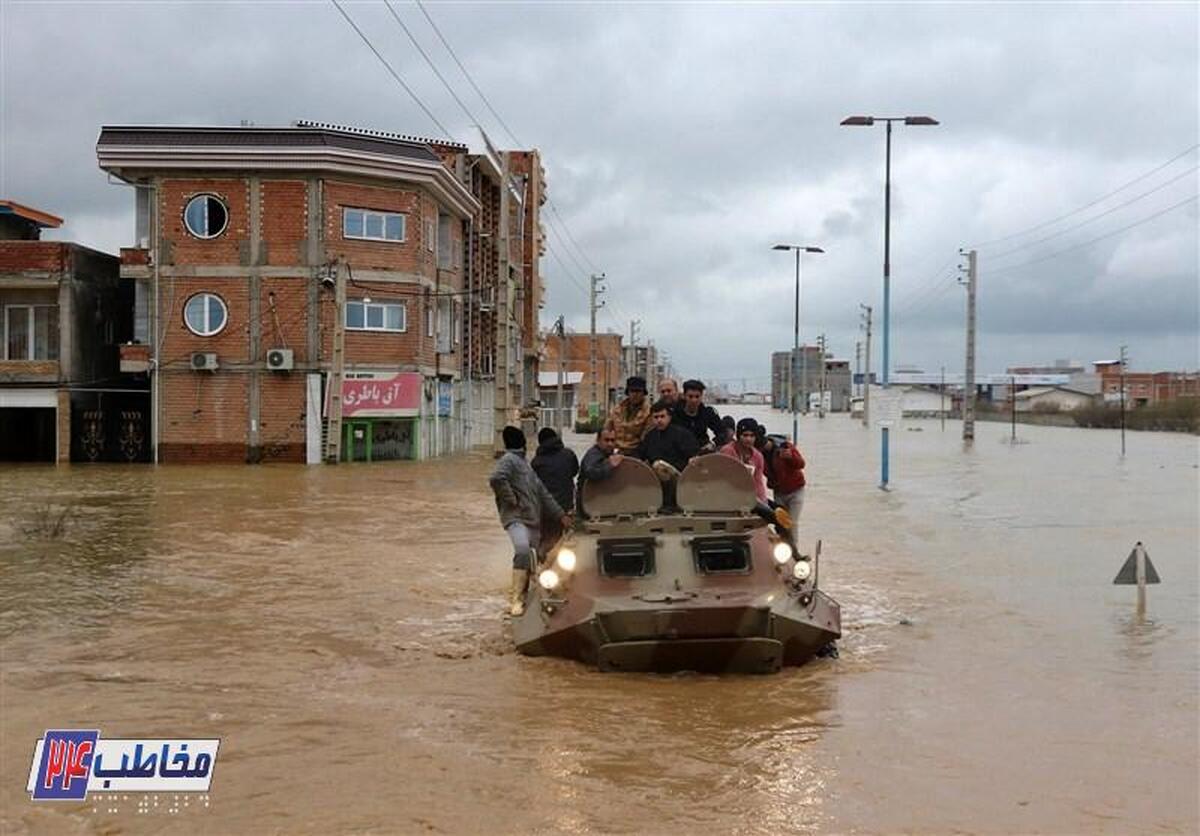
[(487, 103), (394, 74), (571, 237), (429, 61), (470, 80), (1100, 199), (1056, 254), (1087, 221)]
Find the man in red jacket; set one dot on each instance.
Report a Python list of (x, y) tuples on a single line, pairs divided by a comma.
[(785, 471)]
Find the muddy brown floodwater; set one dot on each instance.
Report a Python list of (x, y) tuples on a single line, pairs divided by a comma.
[(339, 629)]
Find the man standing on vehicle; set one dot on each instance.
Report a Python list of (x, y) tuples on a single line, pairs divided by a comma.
[(668, 390), (521, 500), (696, 417), (631, 417)]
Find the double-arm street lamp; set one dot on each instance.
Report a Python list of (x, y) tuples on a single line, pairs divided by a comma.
[(887, 241), (796, 336)]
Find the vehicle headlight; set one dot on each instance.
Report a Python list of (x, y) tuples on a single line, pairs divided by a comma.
[(801, 570), (566, 560), (548, 579), (782, 553)]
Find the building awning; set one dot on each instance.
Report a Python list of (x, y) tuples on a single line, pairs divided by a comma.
[(42, 220), (549, 379)]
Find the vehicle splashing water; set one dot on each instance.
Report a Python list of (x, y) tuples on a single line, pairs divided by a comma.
[(340, 630)]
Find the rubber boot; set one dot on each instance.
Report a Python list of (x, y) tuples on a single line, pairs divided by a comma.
[(516, 595)]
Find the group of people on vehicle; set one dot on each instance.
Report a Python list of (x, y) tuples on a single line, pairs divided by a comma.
[(536, 501)]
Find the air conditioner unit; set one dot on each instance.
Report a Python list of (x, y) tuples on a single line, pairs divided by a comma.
[(280, 359), (204, 361)]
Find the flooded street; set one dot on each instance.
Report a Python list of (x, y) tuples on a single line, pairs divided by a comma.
[(339, 629)]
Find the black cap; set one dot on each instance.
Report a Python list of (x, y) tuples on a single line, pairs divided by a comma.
[(514, 439), (546, 434), (635, 383), (747, 425)]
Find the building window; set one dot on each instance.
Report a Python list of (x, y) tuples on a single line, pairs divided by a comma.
[(205, 314), (376, 316), (372, 226), (205, 216), (428, 319), (430, 236), (31, 332)]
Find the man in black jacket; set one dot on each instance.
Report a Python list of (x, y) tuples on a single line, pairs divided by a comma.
[(696, 417), (556, 466), (666, 442), (598, 462)]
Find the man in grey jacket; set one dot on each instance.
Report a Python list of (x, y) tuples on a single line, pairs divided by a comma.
[(521, 500)]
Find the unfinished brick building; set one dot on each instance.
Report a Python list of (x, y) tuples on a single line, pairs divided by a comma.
[(282, 270)]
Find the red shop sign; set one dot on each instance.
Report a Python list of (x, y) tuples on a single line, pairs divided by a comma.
[(398, 395)]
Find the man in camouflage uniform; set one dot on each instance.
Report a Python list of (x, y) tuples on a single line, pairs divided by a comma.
[(630, 419)]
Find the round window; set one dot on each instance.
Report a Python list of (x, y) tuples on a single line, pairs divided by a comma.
[(205, 314), (205, 216)]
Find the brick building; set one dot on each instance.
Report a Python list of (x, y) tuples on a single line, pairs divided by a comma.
[(246, 236), (63, 313), (608, 385), (1145, 388), (505, 242)]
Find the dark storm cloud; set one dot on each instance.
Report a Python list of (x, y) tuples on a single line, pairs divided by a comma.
[(682, 141)]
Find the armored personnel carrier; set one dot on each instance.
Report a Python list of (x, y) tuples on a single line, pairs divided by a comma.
[(702, 583)]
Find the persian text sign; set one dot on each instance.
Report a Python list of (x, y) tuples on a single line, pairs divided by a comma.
[(69, 763), (382, 397)]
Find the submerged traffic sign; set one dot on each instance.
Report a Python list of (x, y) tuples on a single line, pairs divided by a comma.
[(1129, 573)]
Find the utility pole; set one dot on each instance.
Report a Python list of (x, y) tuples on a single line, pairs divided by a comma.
[(821, 402), (942, 403), (1124, 360), (866, 317), (596, 290), (1012, 409), (560, 409), (633, 353), (333, 427), (858, 366), (969, 382)]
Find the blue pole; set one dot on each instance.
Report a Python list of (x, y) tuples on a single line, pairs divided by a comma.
[(887, 294)]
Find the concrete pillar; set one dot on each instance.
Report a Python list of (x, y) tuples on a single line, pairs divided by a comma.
[(63, 414)]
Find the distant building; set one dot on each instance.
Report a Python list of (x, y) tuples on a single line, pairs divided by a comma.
[(1145, 388), (63, 314), (607, 387), (1052, 398), (803, 373)]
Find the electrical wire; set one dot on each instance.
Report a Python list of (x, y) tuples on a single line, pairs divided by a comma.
[(470, 80), (1088, 243), (1087, 221), (429, 61), (393, 73), (1100, 199)]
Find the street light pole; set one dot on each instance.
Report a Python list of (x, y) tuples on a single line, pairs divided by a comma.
[(795, 335), (887, 261)]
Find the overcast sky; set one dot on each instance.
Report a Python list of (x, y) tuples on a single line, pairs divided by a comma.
[(682, 141)]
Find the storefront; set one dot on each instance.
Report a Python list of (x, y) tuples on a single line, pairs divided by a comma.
[(381, 416)]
